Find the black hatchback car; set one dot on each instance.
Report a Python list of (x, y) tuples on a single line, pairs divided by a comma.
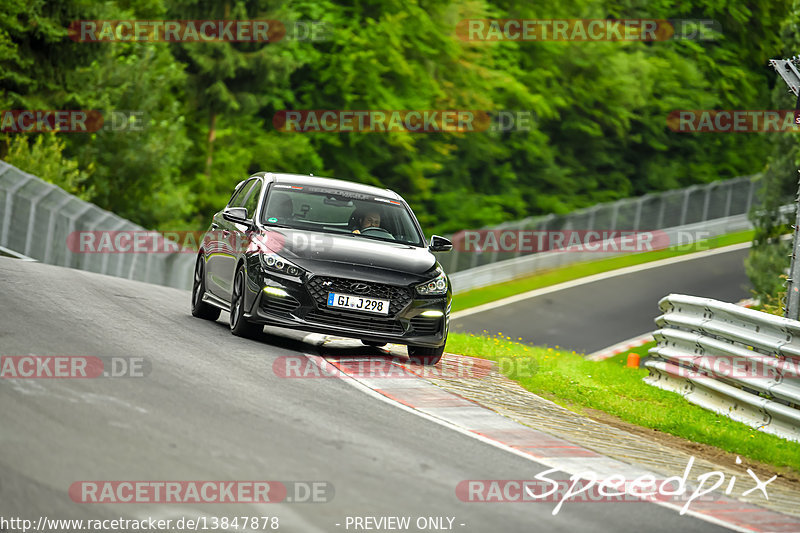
[(326, 256)]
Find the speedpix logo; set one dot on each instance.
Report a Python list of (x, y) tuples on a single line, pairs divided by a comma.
[(588, 486)]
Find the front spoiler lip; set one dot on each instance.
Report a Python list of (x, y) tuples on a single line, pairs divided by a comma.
[(267, 319), (259, 315)]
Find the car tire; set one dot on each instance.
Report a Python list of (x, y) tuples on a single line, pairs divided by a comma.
[(201, 309), (373, 343), (239, 324), (423, 355)]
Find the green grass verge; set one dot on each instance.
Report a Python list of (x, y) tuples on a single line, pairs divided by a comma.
[(609, 386), (546, 278)]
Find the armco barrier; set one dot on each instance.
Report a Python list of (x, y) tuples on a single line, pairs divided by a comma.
[(526, 265), (735, 361), (715, 208), (36, 217), (656, 211)]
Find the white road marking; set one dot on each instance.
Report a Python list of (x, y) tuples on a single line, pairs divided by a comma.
[(570, 465), (596, 277)]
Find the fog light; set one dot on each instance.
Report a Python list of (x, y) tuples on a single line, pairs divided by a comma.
[(276, 291), (431, 313)]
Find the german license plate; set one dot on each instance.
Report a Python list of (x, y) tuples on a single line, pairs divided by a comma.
[(359, 303)]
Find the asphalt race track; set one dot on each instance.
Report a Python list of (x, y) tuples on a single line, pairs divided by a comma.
[(593, 316), (211, 408)]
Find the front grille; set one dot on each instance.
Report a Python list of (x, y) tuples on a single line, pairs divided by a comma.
[(320, 286), (277, 304), (359, 322), (425, 325)]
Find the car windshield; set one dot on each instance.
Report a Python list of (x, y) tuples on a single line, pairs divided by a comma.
[(331, 210)]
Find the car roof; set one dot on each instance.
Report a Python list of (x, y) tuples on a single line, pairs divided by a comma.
[(350, 186)]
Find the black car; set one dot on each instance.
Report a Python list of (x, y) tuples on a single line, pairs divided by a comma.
[(325, 256)]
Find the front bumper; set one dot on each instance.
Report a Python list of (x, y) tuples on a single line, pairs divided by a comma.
[(303, 307)]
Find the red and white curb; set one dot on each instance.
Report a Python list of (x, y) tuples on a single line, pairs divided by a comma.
[(414, 394), (620, 347)]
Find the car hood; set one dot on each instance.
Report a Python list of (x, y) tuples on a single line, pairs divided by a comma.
[(308, 248)]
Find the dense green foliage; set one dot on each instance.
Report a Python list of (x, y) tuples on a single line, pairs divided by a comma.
[(600, 133), (768, 263)]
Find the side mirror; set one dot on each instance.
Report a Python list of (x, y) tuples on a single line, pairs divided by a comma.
[(237, 215), (440, 244)]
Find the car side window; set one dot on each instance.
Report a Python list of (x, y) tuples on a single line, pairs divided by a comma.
[(251, 202), (241, 196)]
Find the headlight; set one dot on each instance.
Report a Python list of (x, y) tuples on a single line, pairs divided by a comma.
[(436, 286), (277, 263)]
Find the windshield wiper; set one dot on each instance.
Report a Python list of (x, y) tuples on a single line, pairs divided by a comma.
[(275, 225)]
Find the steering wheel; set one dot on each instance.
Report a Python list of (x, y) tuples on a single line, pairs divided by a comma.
[(377, 231)]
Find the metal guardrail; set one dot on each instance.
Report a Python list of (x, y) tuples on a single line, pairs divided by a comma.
[(714, 208), (526, 265), (735, 361), (37, 217), (656, 211)]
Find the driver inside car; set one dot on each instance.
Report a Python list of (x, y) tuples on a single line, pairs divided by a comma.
[(369, 219)]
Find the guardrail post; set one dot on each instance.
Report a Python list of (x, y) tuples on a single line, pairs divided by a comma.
[(706, 202), (9, 203), (793, 282), (614, 215), (71, 229), (729, 201), (750, 196), (638, 216), (685, 207), (592, 213), (29, 238), (51, 228)]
